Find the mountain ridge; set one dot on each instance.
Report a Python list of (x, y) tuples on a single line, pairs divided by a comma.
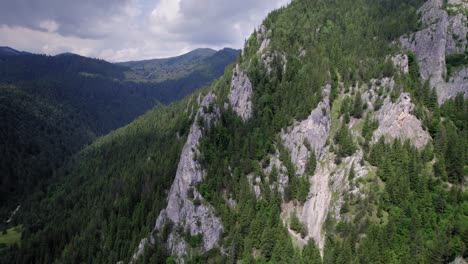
[(64, 102), (157, 70), (322, 144)]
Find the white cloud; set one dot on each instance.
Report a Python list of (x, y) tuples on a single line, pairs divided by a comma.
[(136, 29), (45, 42), (49, 25)]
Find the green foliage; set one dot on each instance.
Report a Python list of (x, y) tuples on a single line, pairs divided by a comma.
[(456, 61), (194, 241), (10, 236), (425, 221), (108, 197), (352, 173), (344, 139), (297, 226), (312, 163), (450, 140), (370, 125), (357, 106), (53, 106), (38, 136), (311, 254), (199, 62)]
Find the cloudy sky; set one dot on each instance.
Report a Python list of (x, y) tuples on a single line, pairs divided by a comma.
[(121, 30)]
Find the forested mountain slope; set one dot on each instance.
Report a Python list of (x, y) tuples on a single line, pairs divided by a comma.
[(52, 106), (200, 60), (325, 143)]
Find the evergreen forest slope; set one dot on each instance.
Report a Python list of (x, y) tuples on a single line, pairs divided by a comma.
[(325, 143)]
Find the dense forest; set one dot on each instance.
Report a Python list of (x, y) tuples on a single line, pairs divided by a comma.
[(411, 204), (52, 106)]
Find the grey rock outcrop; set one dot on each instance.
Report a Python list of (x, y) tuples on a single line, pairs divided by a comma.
[(282, 177), (312, 133), (444, 34), (329, 179), (267, 55), (316, 207), (255, 182), (459, 260), (400, 61), (13, 214), (182, 211), (240, 96), (141, 248), (262, 38), (313, 130), (396, 121), (371, 93)]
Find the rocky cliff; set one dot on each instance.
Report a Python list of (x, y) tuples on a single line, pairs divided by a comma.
[(186, 211), (185, 205), (397, 121), (311, 132), (240, 95), (339, 179), (445, 32), (311, 135)]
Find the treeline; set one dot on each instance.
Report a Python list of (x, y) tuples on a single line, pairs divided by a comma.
[(52, 106), (104, 201)]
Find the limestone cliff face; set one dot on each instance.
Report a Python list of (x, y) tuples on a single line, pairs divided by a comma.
[(267, 55), (400, 61), (240, 96), (186, 209), (282, 178), (396, 120), (263, 38), (315, 210), (195, 218), (329, 179), (313, 131), (444, 34)]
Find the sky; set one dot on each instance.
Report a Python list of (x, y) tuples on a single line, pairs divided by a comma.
[(123, 30)]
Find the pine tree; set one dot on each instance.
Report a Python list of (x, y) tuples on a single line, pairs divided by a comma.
[(351, 173), (357, 106), (312, 163)]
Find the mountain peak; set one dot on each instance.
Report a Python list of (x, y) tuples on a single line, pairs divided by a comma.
[(7, 51), (202, 52)]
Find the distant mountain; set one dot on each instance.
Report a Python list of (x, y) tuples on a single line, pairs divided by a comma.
[(158, 70), (51, 106), (7, 51)]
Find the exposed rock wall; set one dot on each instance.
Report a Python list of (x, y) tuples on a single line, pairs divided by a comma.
[(317, 205), (313, 130), (267, 55), (282, 180), (396, 120), (400, 61), (240, 95), (262, 37), (444, 34), (181, 209)]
